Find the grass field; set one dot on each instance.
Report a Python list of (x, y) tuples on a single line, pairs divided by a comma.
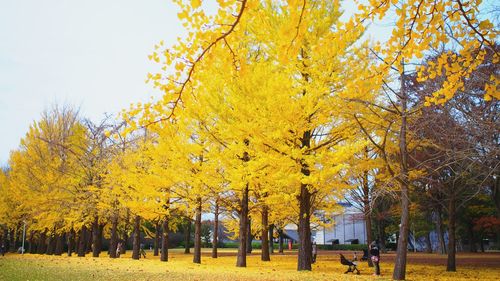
[(180, 267)]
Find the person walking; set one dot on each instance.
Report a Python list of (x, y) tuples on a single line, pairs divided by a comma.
[(375, 256)]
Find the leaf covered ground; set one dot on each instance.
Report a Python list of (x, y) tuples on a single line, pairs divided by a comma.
[(180, 267)]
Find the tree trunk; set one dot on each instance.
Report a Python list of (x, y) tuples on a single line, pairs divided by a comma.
[(71, 241), (157, 238), (12, 239), (367, 211), (40, 249), (215, 239), (59, 243), (242, 248), (472, 244), (197, 233), (88, 245), (271, 238), (451, 264), (187, 237), (440, 232), (113, 242), (249, 236), (305, 246), (125, 234), (95, 238), (265, 235), (50, 245), (280, 240), (82, 241), (137, 239), (31, 249), (164, 240), (402, 246), (428, 245)]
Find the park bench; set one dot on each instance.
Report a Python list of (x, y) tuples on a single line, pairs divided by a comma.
[(351, 264)]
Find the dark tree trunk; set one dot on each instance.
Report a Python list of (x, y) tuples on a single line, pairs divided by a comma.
[(305, 246), (59, 245), (31, 240), (265, 235), (77, 242), (472, 238), (428, 245), (157, 238), (271, 238), (197, 233), (215, 241), (280, 241), (100, 237), (12, 239), (367, 211), (164, 240), (137, 239), (125, 234), (440, 232), (50, 245), (95, 238), (242, 248), (88, 245), (402, 246), (113, 242), (451, 264), (71, 241), (304, 198), (381, 235), (249, 236), (187, 236), (40, 249), (82, 241)]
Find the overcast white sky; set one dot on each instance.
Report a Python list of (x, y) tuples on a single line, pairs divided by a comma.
[(91, 54)]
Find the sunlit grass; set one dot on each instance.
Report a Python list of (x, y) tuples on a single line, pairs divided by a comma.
[(180, 267)]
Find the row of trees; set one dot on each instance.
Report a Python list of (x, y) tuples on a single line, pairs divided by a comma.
[(272, 112)]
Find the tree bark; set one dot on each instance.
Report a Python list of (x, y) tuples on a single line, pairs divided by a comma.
[(367, 210), (82, 241), (187, 237), (249, 236), (472, 244), (451, 264), (59, 244), (31, 249), (137, 239), (280, 240), (402, 246), (265, 235), (157, 238), (95, 238), (113, 242), (40, 249), (271, 238), (50, 245), (197, 233), (305, 246), (164, 240), (440, 232), (215, 240), (12, 243), (71, 241), (125, 234), (242, 248), (428, 245)]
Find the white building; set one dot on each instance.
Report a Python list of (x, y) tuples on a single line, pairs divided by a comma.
[(347, 227)]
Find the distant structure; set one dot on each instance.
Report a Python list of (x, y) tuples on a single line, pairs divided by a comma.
[(347, 227)]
